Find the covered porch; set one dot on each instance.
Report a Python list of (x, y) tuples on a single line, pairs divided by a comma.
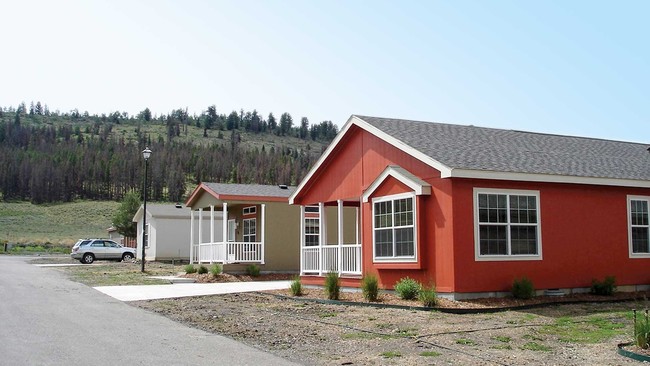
[(237, 219), (319, 254)]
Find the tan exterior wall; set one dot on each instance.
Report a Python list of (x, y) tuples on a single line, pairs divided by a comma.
[(349, 222)]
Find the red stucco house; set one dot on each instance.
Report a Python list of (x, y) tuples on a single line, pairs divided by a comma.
[(471, 209)]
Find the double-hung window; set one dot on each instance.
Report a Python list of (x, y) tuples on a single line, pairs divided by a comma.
[(248, 235), (394, 228), (507, 224), (312, 232), (638, 226)]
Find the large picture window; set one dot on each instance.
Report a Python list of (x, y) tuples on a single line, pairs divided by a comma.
[(507, 224), (639, 227), (394, 227)]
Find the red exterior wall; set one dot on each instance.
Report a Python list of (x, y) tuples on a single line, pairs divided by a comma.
[(583, 228), (584, 236)]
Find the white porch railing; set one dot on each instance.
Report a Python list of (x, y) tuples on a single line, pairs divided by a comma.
[(228, 252), (325, 259)]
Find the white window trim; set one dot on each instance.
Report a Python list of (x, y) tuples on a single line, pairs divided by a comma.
[(629, 225), (312, 209), (147, 234), (317, 235), (252, 210), (412, 259), (507, 257)]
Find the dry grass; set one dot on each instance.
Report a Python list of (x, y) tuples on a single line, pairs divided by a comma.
[(63, 223)]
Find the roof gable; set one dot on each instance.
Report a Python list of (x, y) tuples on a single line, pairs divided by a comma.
[(416, 184)]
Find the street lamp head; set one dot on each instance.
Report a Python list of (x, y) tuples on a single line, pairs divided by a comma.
[(146, 153)]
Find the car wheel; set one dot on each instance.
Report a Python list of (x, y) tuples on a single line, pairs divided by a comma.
[(127, 257), (88, 258)]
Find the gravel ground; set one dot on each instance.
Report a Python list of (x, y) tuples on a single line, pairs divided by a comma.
[(324, 334)]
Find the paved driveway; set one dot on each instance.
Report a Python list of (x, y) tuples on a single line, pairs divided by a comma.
[(46, 319)]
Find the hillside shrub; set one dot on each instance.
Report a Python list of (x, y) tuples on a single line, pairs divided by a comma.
[(370, 287), (332, 286), (189, 269), (202, 269), (216, 269), (296, 287), (605, 287), (407, 288), (253, 270), (522, 288)]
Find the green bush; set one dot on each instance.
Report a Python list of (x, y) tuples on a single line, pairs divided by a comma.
[(522, 288), (642, 332), (605, 287), (332, 286), (370, 287), (253, 270), (190, 269), (216, 269), (407, 288), (203, 269), (296, 287), (428, 296)]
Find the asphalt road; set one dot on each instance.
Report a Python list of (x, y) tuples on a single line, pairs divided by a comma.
[(46, 319)]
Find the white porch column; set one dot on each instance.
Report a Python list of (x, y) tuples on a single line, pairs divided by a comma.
[(211, 224), (322, 233), (357, 236), (263, 229), (200, 231), (339, 204), (356, 226), (191, 236), (225, 232), (302, 238)]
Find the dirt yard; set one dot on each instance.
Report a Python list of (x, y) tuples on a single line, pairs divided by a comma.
[(313, 333), (323, 334)]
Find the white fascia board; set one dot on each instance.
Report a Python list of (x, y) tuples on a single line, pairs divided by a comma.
[(138, 214), (546, 178)]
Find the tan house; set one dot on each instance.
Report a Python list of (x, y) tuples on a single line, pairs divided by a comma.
[(259, 224)]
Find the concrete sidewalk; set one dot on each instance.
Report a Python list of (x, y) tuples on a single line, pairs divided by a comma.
[(151, 292)]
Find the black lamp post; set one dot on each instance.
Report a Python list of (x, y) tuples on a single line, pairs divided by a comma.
[(146, 153)]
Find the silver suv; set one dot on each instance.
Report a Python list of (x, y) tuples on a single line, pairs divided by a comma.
[(87, 250)]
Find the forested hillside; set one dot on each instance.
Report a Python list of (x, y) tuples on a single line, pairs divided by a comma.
[(59, 157)]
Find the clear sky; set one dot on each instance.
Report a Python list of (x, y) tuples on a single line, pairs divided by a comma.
[(566, 67)]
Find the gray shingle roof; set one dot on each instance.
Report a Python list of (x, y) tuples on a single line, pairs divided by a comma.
[(250, 190), (167, 210), (510, 151)]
